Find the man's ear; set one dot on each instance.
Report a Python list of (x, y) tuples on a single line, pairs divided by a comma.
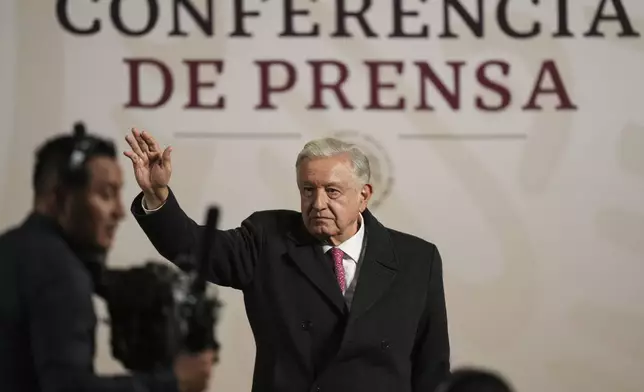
[(365, 194)]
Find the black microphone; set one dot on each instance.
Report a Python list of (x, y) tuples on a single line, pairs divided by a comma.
[(203, 257), (202, 315), (79, 130)]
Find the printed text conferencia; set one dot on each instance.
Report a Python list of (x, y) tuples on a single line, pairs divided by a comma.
[(329, 79)]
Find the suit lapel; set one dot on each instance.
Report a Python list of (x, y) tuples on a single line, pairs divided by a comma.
[(378, 269), (307, 255)]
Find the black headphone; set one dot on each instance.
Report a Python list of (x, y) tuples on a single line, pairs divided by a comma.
[(83, 147)]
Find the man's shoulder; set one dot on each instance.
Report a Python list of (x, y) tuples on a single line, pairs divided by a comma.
[(398, 238), (9, 236), (38, 255), (276, 220), (18, 236), (414, 248), (19, 240), (276, 214), (409, 240)]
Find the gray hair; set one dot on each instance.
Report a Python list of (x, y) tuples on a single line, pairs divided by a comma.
[(329, 147)]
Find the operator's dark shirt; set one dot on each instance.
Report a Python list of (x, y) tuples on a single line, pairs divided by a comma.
[(47, 318)]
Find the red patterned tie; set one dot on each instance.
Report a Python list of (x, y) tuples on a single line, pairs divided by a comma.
[(337, 254)]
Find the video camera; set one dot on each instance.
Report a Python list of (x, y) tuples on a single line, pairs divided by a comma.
[(157, 311)]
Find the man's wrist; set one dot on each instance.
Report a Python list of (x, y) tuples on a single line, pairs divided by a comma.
[(153, 200)]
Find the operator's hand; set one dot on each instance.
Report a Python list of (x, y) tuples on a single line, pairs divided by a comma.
[(152, 167), (193, 370)]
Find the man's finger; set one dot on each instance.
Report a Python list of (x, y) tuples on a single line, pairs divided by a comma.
[(155, 158), (133, 157), (150, 141), (139, 140), (143, 145), (167, 159), (133, 144)]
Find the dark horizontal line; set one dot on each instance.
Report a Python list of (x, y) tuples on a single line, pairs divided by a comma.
[(236, 135), (464, 136)]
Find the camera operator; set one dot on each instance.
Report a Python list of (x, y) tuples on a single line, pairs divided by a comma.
[(49, 268)]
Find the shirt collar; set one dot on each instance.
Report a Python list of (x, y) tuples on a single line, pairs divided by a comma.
[(353, 246)]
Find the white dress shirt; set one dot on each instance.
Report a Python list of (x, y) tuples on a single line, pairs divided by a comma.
[(352, 249), (145, 207)]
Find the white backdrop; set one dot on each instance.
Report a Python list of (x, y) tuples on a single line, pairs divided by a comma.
[(538, 214)]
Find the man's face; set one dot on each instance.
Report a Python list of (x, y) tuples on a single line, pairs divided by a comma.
[(331, 197), (92, 214)]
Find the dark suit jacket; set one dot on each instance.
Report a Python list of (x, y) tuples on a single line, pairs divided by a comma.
[(395, 337), (47, 319)]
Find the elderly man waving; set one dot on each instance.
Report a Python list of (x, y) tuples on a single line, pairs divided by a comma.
[(337, 302)]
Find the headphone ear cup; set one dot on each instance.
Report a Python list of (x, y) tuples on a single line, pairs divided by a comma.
[(72, 175), (75, 173)]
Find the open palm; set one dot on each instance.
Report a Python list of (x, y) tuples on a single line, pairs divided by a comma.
[(152, 165)]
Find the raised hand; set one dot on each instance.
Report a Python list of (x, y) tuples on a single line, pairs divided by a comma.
[(152, 167)]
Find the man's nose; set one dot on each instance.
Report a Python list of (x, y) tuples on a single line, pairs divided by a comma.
[(320, 200)]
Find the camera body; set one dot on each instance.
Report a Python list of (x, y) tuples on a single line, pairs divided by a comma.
[(157, 311)]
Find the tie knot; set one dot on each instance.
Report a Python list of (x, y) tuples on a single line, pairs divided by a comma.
[(337, 254)]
